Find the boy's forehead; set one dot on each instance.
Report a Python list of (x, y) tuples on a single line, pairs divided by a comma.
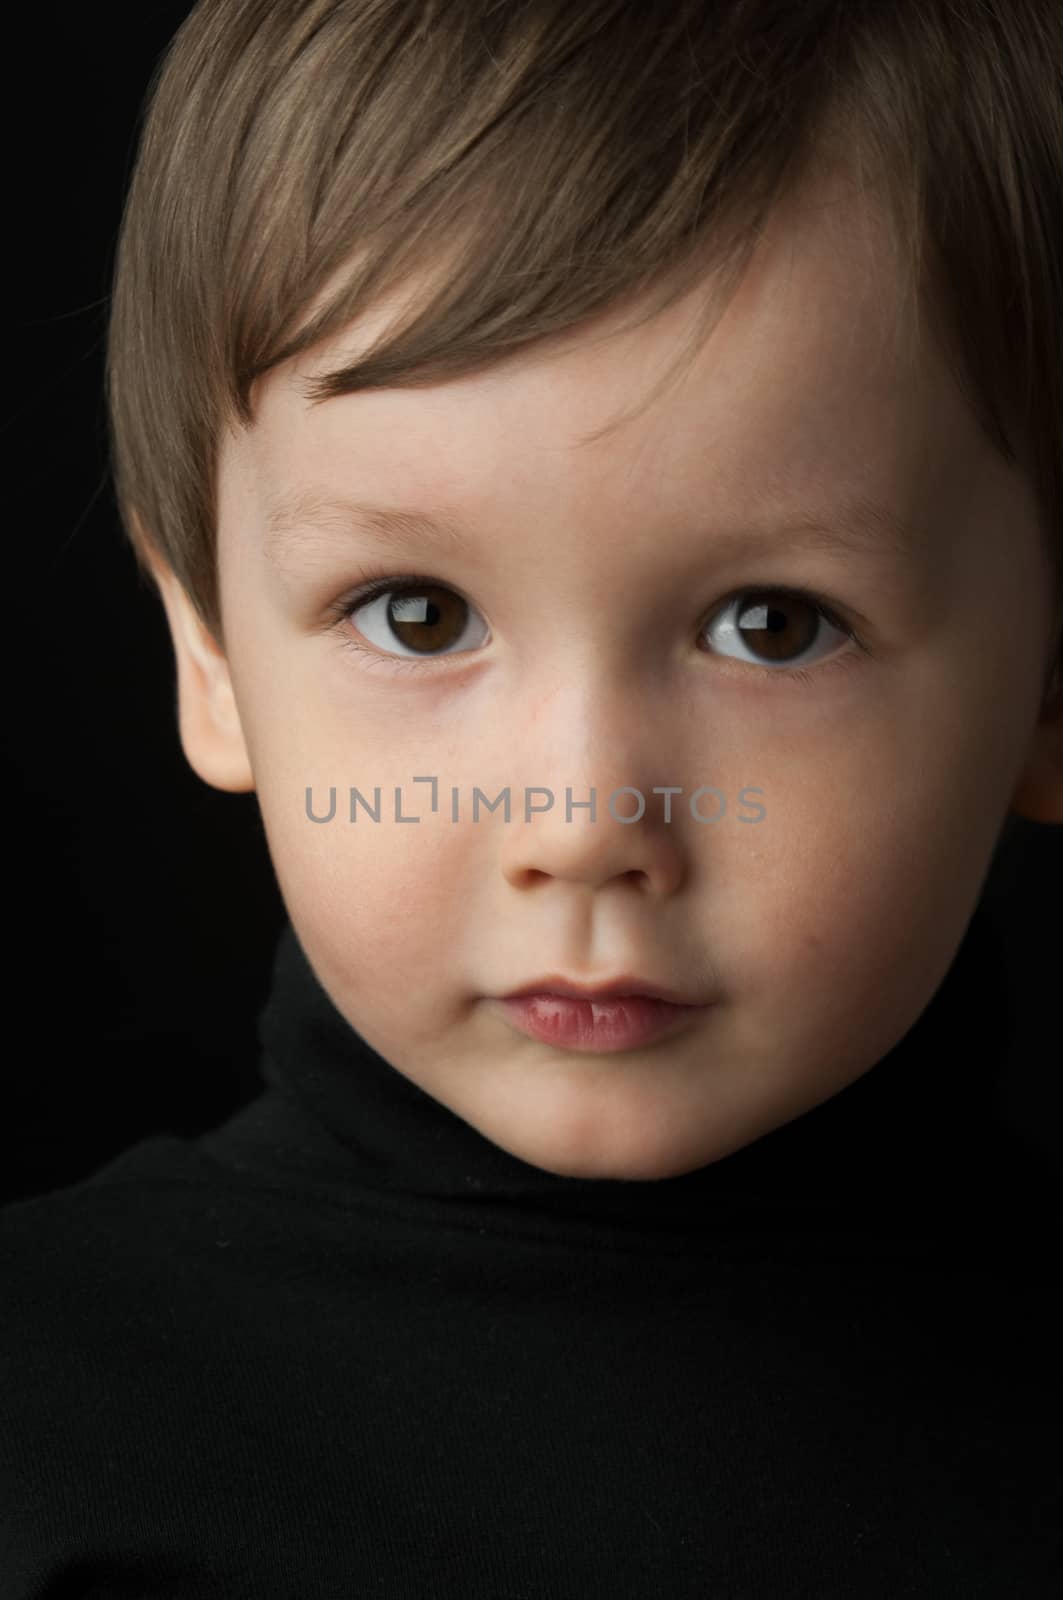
[(800, 387), (826, 250)]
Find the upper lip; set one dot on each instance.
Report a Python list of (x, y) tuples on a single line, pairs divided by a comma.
[(613, 989)]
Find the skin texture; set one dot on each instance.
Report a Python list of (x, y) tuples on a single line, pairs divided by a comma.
[(591, 656)]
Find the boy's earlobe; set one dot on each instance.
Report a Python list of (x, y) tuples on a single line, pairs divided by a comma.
[(1039, 793), (211, 732)]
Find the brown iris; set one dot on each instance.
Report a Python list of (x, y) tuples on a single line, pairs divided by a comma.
[(427, 618), (766, 621)]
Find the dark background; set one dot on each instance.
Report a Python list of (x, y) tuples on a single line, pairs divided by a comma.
[(142, 906), (142, 909)]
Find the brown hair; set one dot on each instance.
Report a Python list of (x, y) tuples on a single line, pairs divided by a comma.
[(536, 163)]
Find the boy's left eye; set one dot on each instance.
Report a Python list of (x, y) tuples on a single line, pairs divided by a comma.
[(428, 619)]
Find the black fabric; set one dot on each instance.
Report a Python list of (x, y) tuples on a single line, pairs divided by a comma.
[(344, 1346)]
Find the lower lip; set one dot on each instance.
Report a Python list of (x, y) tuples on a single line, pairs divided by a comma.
[(597, 1026)]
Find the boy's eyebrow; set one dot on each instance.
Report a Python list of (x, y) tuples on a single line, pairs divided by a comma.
[(390, 526), (851, 527)]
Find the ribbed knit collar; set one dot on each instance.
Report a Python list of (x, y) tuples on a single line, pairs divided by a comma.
[(916, 1140)]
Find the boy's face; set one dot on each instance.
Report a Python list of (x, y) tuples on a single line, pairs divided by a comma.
[(591, 652)]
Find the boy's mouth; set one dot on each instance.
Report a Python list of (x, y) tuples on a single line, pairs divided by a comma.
[(619, 1015)]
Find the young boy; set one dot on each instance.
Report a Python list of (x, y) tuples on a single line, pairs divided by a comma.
[(601, 469)]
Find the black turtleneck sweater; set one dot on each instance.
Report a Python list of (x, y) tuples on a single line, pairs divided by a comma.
[(345, 1347)]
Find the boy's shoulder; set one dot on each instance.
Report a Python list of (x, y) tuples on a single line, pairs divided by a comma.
[(113, 1294), (92, 1267), (70, 1247), (155, 1164)]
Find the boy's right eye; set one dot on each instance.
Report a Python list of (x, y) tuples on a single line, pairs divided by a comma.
[(421, 616)]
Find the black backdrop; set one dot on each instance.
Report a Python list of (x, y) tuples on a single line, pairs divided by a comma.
[(141, 906)]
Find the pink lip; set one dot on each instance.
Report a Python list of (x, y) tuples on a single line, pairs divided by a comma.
[(596, 1026)]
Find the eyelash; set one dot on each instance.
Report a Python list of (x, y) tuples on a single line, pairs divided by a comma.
[(339, 612)]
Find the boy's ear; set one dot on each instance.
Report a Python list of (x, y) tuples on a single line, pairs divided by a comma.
[(1039, 793), (212, 736)]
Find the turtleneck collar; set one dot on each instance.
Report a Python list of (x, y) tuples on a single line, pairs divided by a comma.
[(918, 1138)]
